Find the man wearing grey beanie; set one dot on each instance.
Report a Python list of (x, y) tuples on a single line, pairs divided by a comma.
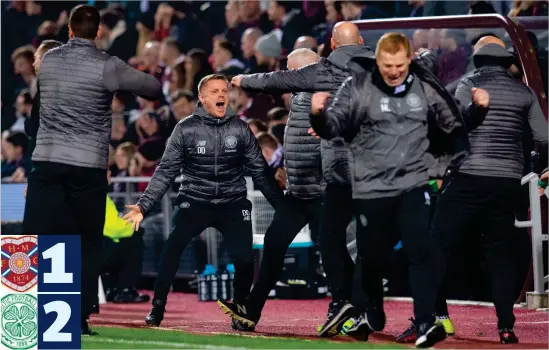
[(267, 51)]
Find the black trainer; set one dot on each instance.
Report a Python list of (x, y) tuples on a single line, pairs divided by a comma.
[(357, 328), (130, 295), (155, 317), (240, 326), (409, 335), (338, 313), (428, 334), (85, 329), (507, 336), (238, 312)]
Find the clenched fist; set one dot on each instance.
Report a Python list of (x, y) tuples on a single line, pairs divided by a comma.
[(318, 101), (480, 97)]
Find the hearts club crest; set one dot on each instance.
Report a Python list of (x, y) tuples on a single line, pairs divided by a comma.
[(20, 262)]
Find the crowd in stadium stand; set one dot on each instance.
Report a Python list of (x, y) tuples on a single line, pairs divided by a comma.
[(181, 42)]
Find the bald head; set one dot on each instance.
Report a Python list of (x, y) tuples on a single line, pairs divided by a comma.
[(485, 40), (346, 33), (248, 40), (252, 33), (302, 57), (305, 42)]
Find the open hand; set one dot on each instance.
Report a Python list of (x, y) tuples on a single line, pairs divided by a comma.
[(318, 101), (480, 97), (134, 216)]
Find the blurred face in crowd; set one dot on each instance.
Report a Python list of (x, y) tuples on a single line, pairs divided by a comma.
[(21, 107), (349, 11), (122, 159), (117, 106), (150, 54), (247, 46), (420, 39), (238, 99), (214, 96), (433, 39), (182, 108), (260, 58), (268, 153), (275, 11), (118, 129), (148, 124), (248, 9), (145, 104), (232, 16), (135, 168), (12, 152), (393, 67), (22, 66), (220, 56), (331, 13)]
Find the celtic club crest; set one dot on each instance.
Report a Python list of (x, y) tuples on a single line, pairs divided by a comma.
[(19, 321), (20, 262)]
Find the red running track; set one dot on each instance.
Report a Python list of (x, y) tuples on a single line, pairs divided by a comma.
[(475, 325)]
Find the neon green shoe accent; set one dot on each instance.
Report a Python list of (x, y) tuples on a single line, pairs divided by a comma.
[(448, 325), (347, 325)]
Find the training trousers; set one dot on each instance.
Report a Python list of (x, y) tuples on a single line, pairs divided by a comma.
[(481, 204), (189, 219), (65, 199), (337, 262), (123, 261), (377, 219), (291, 215)]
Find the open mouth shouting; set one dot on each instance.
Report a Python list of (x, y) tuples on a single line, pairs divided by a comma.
[(220, 106)]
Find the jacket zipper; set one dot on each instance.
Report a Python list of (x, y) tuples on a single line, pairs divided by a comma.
[(215, 158)]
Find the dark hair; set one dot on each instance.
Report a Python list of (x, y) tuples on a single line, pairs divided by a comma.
[(179, 94), (266, 140), (19, 139), (47, 45), (210, 77), (277, 113), (225, 44), (109, 18), (84, 21), (26, 95)]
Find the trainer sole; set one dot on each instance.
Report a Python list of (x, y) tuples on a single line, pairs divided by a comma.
[(229, 312), (333, 328)]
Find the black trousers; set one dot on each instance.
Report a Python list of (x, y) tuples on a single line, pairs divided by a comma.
[(291, 215), (481, 204), (122, 261), (377, 219), (336, 260), (66, 199), (189, 219)]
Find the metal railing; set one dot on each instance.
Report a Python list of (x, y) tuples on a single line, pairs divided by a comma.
[(536, 232)]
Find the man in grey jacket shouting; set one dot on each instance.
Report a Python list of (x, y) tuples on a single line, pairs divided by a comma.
[(77, 82), (395, 117)]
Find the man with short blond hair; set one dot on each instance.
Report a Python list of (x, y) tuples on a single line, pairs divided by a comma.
[(394, 132)]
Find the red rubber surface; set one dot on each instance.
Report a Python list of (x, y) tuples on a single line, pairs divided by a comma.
[(475, 325)]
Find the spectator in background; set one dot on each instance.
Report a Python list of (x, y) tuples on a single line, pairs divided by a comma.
[(249, 105), (274, 155), (454, 55), (247, 46), (480, 8), (417, 8), (182, 104), (145, 30), (23, 59), (170, 55), (420, 39), (306, 42), (251, 15), (117, 38), (278, 118), (225, 59), (445, 8), (234, 29), (196, 68), (149, 61), (267, 52), (119, 130), (23, 109), (177, 79), (257, 126), (13, 164), (354, 10), (523, 8), (289, 21)]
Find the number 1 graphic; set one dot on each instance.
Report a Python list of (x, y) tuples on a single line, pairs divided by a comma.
[(57, 256)]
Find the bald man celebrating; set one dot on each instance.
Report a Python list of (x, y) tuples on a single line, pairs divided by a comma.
[(327, 75), (302, 202), (483, 193)]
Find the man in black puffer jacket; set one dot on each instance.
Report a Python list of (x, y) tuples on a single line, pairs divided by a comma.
[(210, 148), (302, 203), (396, 117), (328, 75)]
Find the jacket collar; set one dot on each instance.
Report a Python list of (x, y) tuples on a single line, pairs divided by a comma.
[(81, 42), (207, 118), (340, 57)]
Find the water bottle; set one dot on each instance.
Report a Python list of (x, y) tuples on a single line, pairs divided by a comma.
[(224, 286), (214, 288)]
